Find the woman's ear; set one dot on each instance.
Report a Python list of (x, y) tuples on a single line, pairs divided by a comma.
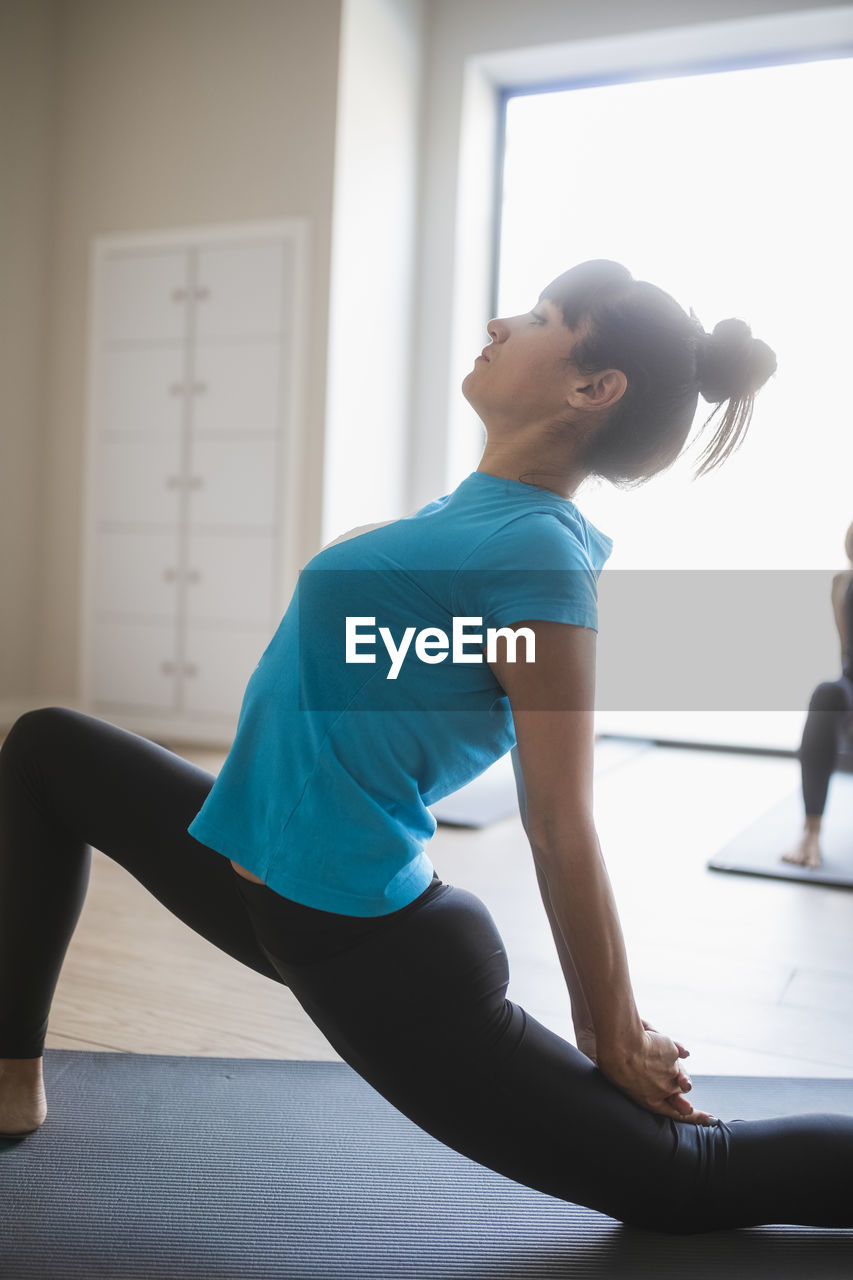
[(597, 390)]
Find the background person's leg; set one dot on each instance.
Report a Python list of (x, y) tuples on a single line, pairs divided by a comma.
[(828, 709), (68, 782)]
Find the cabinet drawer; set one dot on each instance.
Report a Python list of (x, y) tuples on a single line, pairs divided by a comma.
[(145, 296), (237, 387), (233, 482), (139, 479), (230, 579), (143, 389), (218, 666), (134, 664), (242, 290), (136, 573)]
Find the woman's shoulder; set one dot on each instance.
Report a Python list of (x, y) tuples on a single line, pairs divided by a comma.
[(533, 540), (564, 537)]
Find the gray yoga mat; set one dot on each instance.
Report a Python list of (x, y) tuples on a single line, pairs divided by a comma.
[(757, 850), (163, 1167), (493, 795)]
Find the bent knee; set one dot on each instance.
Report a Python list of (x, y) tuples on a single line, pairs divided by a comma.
[(33, 729)]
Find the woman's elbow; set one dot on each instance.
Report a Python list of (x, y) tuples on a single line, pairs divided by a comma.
[(551, 839)]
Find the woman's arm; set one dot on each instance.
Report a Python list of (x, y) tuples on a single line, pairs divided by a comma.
[(552, 705), (581, 1016)]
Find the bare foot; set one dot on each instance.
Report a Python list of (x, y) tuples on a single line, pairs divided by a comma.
[(23, 1105), (806, 853)]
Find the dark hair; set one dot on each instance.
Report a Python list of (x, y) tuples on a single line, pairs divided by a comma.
[(669, 361)]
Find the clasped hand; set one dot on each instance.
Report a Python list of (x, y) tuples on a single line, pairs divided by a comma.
[(651, 1073)]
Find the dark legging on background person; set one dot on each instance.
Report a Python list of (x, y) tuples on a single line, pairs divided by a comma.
[(827, 723), (829, 726), (415, 1001)]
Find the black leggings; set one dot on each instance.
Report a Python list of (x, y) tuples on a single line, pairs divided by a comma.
[(828, 717), (414, 1001)]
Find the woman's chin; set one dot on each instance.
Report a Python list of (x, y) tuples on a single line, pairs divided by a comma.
[(467, 386)]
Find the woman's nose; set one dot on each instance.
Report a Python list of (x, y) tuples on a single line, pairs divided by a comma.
[(497, 329)]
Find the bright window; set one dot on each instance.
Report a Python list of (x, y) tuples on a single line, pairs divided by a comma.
[(731, 190)]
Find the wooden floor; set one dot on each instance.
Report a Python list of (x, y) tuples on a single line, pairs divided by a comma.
[(753, 976)]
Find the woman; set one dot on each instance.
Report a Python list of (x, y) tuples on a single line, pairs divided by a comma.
[(305, 858), (826, 723)]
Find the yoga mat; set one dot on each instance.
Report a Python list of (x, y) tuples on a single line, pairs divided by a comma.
[(165, 1167), (493, 795), (757, 850)]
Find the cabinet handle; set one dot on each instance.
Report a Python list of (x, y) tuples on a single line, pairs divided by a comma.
[(202, 293), (173, 482), (179, 295), (193, 575), (168, 668), (190, 669), (195, 482), (199, 388), (177, 389), (171, 575)]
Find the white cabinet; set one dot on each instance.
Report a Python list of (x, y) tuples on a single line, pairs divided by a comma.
[(193, 471)]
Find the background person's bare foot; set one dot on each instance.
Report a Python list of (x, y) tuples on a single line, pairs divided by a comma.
[(807, 853), (23, 1105)]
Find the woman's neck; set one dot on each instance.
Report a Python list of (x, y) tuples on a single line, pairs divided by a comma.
[(564, 484)]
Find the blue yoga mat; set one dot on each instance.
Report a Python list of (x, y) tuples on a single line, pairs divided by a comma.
[(164, 1167)]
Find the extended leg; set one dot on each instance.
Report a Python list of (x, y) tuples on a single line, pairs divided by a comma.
[(417, 1005)]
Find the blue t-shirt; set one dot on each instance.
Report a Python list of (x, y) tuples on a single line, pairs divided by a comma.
[(326, 789)]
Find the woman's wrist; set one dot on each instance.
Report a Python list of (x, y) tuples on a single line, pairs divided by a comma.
[(619, 1046)]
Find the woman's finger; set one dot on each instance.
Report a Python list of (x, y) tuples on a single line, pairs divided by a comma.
[(672, 1106), (679, 1104), (689, 1116), (695, 1117)]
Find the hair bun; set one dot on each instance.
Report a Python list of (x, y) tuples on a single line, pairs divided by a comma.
[(730, 362)]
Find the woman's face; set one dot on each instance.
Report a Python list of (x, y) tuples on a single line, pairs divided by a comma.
[(525, 374)]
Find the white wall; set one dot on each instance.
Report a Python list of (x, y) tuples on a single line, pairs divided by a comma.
[(27, 73), (168, 113), (372, 263), (160, 114)]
